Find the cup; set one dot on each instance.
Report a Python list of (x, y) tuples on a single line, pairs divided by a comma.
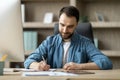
[(1, 67)]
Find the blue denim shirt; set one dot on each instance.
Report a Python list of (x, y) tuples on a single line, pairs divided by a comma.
[(81, 50)]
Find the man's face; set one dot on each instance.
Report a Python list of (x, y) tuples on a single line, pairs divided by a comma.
[(67, 26)]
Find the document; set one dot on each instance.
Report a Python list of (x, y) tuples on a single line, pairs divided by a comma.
[(48, 73)]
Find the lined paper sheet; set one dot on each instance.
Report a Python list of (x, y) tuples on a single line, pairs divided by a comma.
[(47, 73)]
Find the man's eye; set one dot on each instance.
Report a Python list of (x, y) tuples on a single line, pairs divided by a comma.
[(70, 26), (62, 25)]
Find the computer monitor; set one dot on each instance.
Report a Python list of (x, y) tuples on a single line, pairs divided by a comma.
[(11, 32)]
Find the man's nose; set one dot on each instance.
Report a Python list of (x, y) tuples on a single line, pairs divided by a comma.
[(65, 30)]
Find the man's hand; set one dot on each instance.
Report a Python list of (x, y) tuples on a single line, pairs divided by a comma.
[(40, 66), (70, 65)]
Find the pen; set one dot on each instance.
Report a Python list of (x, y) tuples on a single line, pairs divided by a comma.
[(43, 59)]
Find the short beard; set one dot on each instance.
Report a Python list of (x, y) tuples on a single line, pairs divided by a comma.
[(66, 37)]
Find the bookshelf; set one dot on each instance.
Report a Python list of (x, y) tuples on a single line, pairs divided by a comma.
[(107, 31), (35, 11)]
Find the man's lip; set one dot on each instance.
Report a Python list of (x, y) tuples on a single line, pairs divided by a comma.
[(65, 33)]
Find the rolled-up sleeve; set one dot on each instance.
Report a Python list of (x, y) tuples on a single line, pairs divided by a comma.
[(33, 57), (36, 56), (95, 55), (104, 63)]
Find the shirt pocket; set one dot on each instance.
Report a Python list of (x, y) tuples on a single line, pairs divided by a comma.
[(80, 57)]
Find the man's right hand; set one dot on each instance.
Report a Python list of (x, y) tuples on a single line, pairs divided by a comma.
[(40, 66)]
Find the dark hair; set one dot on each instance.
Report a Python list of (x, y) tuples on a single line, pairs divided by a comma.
[(70, 11)]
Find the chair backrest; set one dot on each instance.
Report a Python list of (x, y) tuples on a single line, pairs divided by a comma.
[(84, 29)]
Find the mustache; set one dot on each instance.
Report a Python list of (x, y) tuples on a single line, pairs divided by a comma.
[(67, 33)]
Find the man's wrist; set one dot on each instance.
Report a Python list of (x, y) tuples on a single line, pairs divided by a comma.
[(80, 66), (34, 65)]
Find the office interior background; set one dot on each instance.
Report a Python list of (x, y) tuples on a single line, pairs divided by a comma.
[(104, 15)]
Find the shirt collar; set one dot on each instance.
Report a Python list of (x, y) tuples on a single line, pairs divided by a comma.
[(73, 38)]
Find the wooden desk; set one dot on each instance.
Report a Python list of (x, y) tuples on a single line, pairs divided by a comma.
[(99, 75)]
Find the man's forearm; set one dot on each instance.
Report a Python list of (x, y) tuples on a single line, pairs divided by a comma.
[(88, 66), (82, 66)]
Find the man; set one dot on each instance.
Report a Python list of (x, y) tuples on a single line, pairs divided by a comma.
[(67, 50)]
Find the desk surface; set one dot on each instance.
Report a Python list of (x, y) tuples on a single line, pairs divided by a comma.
[(99, 75)]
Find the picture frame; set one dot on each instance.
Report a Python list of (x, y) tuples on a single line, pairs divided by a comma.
[(48, 17), (99, 16)]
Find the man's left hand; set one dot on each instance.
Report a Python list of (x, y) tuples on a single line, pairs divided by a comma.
[(70, 66)]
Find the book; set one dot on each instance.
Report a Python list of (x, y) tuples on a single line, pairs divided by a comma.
[(23, 12), (96, 42), (30, 40)]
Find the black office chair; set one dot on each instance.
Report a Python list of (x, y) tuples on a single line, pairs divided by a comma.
[(85, 29)]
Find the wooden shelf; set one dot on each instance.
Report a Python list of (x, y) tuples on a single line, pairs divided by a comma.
[(51, 25), (105, 24), (38, 25), (109, 53), (97, 0), (44, 0)]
